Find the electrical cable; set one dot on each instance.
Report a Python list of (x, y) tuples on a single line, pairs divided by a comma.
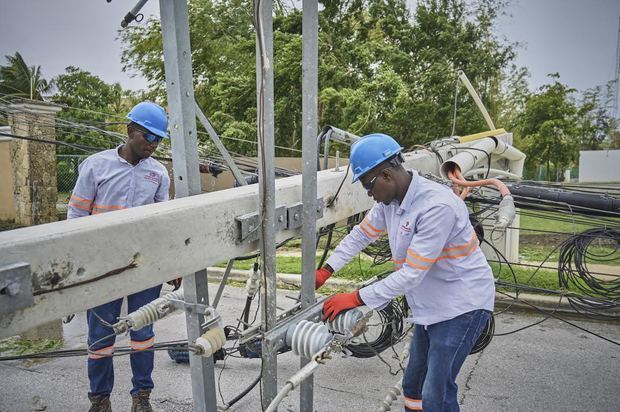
[(600, 294), (392, 331), (564, 320), (119, 351)]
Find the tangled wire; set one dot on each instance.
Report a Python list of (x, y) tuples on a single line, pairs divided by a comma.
[(600, 292)]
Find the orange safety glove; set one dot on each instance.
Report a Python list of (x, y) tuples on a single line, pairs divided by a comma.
[(321, 276), (341, 302)]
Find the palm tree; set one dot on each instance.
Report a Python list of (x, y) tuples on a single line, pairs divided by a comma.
[(17, 79)]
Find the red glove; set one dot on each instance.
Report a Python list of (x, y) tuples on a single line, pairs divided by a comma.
[(321, 276), (340, 302)]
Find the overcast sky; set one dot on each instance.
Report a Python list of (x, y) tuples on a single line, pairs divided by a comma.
[(576, 38)]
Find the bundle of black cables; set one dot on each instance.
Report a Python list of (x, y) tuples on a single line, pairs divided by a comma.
[(600, 292), (392, 331), (485, 336)]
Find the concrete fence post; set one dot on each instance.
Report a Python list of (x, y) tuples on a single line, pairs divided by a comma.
[(34, 164)]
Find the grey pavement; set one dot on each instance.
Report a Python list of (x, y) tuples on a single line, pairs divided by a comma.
[(548, 367)]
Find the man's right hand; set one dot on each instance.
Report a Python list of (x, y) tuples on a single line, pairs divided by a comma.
[(321, 276)]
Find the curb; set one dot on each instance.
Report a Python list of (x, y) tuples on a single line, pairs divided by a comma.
[(555, 304)]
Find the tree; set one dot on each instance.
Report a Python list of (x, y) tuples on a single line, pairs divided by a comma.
[(595, 120), (513, 99), (548, 127), (381, 68), (17, 79), (88, 100)]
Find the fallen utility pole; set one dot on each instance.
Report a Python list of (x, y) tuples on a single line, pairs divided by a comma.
[(77, 264)]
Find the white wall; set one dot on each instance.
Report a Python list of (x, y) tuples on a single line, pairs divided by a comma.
[(599, 166)]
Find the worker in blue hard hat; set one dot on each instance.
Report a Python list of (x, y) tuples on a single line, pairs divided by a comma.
[(115, 179), (439, 267)]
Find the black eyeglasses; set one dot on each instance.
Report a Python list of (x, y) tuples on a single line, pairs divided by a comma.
[(370, 184)]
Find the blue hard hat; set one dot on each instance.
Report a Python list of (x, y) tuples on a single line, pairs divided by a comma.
[(151, 116), (370, 151)]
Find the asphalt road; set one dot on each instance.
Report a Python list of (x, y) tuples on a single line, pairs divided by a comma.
[(548, 367)]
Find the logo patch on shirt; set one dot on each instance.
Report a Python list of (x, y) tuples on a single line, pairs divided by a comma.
[(152, 177), (406, 228)]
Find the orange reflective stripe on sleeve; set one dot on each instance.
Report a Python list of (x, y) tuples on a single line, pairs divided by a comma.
[(462, 247), (135, 345), (460, 251), (413, 404), (101, 353), (80, 203), (369, 229), (419, 262), (81, 200), (415, 265), (79, 206), (368, 233), (418, 257), (106, 208)]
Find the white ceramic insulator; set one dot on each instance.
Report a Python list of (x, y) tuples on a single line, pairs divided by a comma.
[(308, 338), (345, 321), (506, 212), (252, 285), (392, 394), (395, 391), (151, 312), (211, 341)]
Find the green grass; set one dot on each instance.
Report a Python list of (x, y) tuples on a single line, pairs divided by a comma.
[(537, 246), (546, 221), (358, 269), (539, 253), (544, 279), (361, 269), (15, 346)]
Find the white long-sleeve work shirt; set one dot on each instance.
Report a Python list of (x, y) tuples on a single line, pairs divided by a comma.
[(439, 265), (107, 182)]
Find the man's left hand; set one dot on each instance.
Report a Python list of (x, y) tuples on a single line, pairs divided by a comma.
[(341, 302)]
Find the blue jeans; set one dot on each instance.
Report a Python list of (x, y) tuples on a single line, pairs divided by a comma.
[(437, 354), (101, 367)]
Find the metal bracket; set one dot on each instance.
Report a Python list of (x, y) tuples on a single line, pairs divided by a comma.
[(249, 224), (15, 287), (294, 213), (210, 314)]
